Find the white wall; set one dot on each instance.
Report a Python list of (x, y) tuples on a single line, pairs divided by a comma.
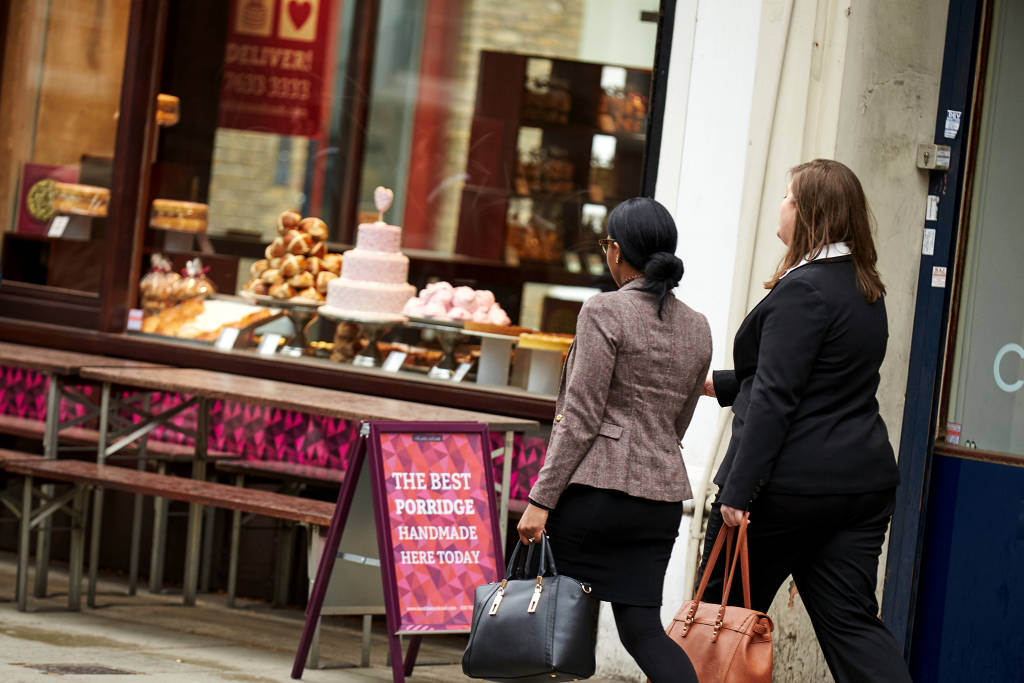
[(700, 181), (755, 87)]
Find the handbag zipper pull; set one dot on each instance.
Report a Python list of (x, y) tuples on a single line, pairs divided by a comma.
[(538, 589), (498, 598)]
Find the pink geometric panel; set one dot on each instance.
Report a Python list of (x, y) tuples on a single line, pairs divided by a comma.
[(252, 432)]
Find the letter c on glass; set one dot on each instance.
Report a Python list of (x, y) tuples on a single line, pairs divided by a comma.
[(1006, 386)]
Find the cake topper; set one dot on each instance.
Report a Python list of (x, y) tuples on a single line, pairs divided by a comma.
[(382, 197)]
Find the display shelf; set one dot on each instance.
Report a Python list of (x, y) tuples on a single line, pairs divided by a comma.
[(562, 153)]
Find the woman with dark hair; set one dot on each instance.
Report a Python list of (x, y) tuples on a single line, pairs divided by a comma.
[(810, 459), (611, 489)]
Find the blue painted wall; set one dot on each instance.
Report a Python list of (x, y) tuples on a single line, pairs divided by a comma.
[(969, 624)]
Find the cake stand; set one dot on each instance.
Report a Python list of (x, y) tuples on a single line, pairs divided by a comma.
[(448, 333), (374, 327), (299, 311)]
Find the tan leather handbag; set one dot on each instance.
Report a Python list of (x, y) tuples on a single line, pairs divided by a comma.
[(726, 644)]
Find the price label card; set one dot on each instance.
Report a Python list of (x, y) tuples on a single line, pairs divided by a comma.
[(134, 320), (393, 363), (58, 226), (226, 340), (461, 372), (269, 343)]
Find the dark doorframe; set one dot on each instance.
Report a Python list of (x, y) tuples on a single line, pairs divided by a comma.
[(957, 93)]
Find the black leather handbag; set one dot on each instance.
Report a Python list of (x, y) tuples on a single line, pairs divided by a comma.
[(539, 627)]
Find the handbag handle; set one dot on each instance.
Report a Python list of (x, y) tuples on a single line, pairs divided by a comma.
[(545, 556), (725, 535), (739, 557)]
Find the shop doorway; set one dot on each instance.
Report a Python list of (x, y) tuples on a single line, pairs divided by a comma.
[(966, 625)]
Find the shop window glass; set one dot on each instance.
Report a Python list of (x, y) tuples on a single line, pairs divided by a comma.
[(987, 379), (59, 97), (505, 131)]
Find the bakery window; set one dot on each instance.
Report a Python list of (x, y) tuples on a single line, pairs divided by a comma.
[(406, 188), (61, 90)]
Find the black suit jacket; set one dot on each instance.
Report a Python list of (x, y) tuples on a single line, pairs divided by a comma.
[(806, 418)]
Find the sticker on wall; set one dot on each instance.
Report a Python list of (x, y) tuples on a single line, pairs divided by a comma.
[(952, 123), (953, 433), (928, 244), (939, 277), (932, 212)]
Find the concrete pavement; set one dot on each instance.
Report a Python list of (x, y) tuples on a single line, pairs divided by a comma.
[(156, 637)]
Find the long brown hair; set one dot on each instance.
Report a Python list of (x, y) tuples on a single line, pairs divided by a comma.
[(831, 207)]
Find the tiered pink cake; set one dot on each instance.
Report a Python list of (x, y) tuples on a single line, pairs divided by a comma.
[(374, 275)]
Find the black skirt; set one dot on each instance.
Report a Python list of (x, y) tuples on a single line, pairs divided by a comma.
[(617, 543)]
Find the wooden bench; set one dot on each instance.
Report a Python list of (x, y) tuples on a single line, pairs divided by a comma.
[(151, 450), (85, 475), (291, 479), (28, 428), (62, 369)]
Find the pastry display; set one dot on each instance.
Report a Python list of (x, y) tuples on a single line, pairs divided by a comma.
[(84, 200), (194, 282), (532, 237), (545, 341), (203, 320), (296, 264), (374, 275), (158, 288), (622, 111), (544, 170), (287, 221), (172, 214), (441, 301), (547, 100), (492, 328), (167, 109)]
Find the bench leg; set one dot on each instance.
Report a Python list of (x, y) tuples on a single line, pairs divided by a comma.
[(94, 547), (283, 575), (133, 553), (195, 510), (206, 559), (79, 512), (156, 556), (24, 545), (44, 533), (313, 658), (97, 500), (364, 658), (133, 557), (195, 529), (236, 533)]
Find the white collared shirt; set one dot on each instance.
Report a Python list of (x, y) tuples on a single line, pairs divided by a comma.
[(830, 251)]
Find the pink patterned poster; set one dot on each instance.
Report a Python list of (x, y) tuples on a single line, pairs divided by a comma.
[(439, 499)]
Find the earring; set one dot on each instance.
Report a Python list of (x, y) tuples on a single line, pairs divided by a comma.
[(618, 259)]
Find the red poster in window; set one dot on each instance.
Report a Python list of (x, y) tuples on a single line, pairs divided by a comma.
[(274, 66)]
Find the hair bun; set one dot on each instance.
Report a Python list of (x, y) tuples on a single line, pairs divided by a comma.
[(664, 266)]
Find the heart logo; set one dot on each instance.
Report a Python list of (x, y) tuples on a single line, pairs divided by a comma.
[(383, 197), (299, 12)]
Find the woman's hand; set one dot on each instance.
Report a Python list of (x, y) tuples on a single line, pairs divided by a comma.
[(709, 386), (732, 516), (532, 523)]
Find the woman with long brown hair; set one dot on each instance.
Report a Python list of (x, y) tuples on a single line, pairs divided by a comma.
[(810, 459)]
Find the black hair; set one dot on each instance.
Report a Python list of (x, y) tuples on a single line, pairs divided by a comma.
[(647, 236)]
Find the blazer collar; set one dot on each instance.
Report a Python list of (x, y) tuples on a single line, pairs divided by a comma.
[(632, 284)]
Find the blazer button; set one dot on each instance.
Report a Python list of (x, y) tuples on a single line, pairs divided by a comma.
[(558, 418)]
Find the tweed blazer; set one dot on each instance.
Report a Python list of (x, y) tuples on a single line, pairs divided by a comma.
[(628, 390)]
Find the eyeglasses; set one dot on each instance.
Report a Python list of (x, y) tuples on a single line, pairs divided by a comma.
[(604, 243)]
